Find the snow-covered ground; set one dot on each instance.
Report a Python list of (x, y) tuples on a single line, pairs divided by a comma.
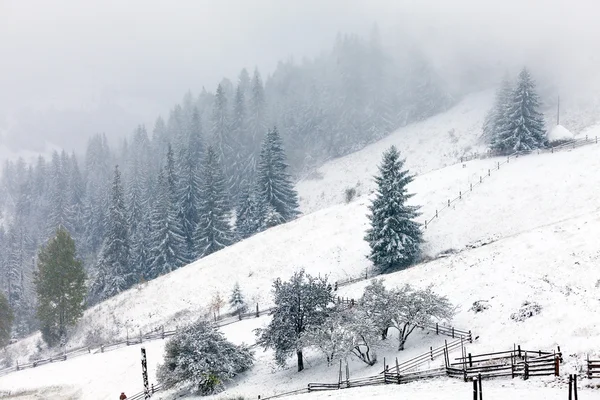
[(428, 145), (539, 214), (528, 232)]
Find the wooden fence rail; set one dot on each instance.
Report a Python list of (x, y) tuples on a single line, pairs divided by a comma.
[(593, 368)]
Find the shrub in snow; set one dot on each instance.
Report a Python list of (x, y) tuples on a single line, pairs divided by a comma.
[(200, 359), (528, 309), (349, 194), (480, 306), (300, 306)]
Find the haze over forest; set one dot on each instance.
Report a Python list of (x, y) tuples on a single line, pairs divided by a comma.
[(72, 69)]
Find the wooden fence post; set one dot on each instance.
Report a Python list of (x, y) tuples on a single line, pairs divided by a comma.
[(470, 337), (480, 179), (474, 389), (471, 187), (436, 213), (448, 202), (17, 365), (470, 361), (512, 366), (102, 348), (489, 172), (431, 352), (556, 366), (519, 350), (498, 164), (459, 194), (397, 371), (257, 313), (340, 375), (480, 388), (437, 329), (589, 370), (452, 332)]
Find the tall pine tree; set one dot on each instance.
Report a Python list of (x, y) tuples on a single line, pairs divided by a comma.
[(113, 267), (213, 232), (394, 235), (496, 117), (523, 126), (275, 190), (168, 250)]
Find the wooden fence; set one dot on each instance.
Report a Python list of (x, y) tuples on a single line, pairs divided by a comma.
[(461, 193), (161, 333), (523, 364), (593, 368)]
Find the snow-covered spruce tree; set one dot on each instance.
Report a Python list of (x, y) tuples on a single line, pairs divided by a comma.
[(6, 321), (237, 301), (412, 308), (213, 231), (376, 302), (60, 286), (113, 268), (200, 359), (274, 185), (168, 247), (190, 183), (249, 217), (496, 117), (523, 125), (300, 306), (394, 235)]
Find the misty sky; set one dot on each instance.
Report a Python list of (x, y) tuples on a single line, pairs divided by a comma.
[(71, 68)]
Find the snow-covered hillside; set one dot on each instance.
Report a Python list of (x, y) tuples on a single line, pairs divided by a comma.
[(538, 217), (428, 145)]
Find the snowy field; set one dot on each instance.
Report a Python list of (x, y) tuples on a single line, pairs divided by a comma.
[(539, 214), (528, 232)]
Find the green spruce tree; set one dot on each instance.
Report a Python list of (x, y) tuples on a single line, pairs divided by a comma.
[(6, 320), (113, 268), (213, 232), (60, 287), (523, 126), (394, 235), (275, 190)]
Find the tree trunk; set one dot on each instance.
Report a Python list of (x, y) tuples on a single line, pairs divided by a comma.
[(384, 334), (300, 360), (401, 345)]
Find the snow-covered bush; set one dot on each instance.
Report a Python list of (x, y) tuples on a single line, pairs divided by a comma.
[(349, 194), (480, 306), (200, 359), (528, 309)]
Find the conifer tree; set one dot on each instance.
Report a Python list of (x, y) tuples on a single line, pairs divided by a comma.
[(523, 127), (496, 117), (113, 268), (249, 218), (394, 235), (6, 321), (189, 187), (237, 301), (60, 287), (213, 231), (274, 185), (168, 249)]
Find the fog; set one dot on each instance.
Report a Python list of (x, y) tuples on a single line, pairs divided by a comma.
[(69, 69)]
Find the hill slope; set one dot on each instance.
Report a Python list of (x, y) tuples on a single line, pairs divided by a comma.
[(539, 215)]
